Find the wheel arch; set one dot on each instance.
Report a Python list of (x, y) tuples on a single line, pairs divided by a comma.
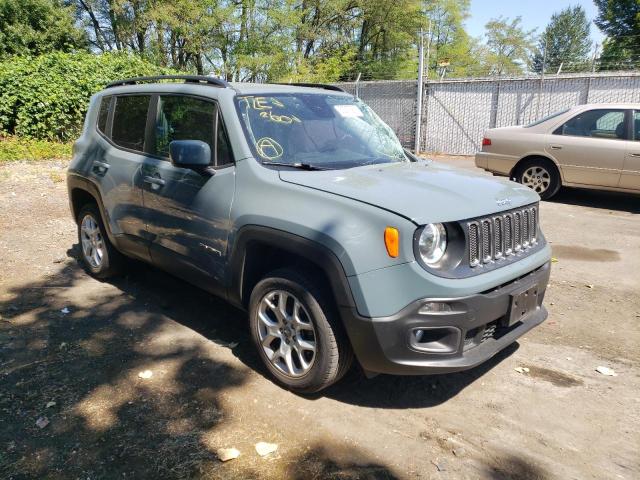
[(535, 156), (258, 250), (82, 191)]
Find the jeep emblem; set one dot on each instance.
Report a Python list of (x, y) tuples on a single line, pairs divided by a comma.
[(503, 201)]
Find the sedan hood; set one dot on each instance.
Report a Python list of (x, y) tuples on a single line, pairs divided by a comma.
[(422, 192)]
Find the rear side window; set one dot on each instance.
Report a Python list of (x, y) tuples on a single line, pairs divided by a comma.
[(600, 123), (103, 114), (184, 118), (129, 121)]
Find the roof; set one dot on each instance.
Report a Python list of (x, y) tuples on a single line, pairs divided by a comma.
[(242, 88)]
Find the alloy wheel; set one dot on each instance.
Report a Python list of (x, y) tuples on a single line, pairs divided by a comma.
[(536, 178), (92, 241), (286, 333)]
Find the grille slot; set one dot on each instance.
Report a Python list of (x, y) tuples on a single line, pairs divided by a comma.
[(501, 236)]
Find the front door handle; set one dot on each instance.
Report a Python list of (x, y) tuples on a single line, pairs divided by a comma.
[(100, 167), (155, 182), (635, 154), (556, 147)]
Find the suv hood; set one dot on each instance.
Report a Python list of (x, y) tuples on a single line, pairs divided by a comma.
[(423, 192)]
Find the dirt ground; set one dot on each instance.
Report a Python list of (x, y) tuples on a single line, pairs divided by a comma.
[(72, 348)]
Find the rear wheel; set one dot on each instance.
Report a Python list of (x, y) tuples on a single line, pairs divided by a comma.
[(297, 333), (540, 175), (99, 257)]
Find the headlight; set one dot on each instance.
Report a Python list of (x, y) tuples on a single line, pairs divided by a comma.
[(432, 243)]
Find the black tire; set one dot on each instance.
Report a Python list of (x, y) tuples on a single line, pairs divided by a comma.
[(549, 173), (333, 355), (112, 261)]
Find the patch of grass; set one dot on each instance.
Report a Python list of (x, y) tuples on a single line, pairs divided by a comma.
[(15, 148)]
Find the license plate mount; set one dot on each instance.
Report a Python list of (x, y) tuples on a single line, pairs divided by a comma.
[(523, 304)]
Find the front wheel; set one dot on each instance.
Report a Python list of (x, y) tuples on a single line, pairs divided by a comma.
[(541, 176), (297, 333)]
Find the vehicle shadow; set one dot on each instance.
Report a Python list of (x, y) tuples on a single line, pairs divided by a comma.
[(624, 202), (221, 323)]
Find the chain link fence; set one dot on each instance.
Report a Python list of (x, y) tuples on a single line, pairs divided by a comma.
[(455, 113)]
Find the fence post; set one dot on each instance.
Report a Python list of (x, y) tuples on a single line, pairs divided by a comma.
[(358, 85), (416, 145), (494, 106)]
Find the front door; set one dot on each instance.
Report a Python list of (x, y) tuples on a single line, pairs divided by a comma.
[(187, 211), (590, 148), (630, 177)]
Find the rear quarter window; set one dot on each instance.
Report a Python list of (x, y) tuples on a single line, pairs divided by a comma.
[(129, 121), (103, 114)]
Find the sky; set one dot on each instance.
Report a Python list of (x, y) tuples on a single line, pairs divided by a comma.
[(534, 13)]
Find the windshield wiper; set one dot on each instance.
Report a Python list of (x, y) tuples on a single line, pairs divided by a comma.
[(298, 165)]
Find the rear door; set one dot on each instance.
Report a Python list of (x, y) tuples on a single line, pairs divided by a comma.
[(186, 211), (590, 147), (630, 177), (122, 123)]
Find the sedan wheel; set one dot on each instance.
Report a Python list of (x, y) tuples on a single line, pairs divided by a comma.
[(537, 178)]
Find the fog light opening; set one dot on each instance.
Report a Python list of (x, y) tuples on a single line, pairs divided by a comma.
[(435, 339)]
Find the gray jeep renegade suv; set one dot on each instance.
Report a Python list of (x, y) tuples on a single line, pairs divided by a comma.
[(298, 204)]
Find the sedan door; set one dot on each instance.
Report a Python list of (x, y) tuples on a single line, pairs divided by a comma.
[(187, 211), (630, 177), (591, 147)]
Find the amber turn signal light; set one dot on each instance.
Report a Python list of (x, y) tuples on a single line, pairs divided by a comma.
[(392, 241)]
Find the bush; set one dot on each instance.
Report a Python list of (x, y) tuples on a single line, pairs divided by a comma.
[(46, 97), (14, 148)]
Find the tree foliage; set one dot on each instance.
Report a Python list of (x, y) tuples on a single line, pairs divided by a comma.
[(508, 48), (566, 41), (619, 20), (46, 96), (37, 26)]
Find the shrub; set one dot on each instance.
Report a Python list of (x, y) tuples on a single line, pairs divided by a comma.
[(46, 97), (14, 148)]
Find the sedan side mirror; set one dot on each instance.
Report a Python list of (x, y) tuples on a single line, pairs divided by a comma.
[(190, 154)]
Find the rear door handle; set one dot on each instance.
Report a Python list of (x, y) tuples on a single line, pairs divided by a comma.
[(155, 182), (100, 167), (635, 154), (556, 147)]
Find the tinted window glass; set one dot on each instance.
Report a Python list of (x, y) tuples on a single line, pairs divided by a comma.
[(595, 123), (129, 120), (636, 126), (103, 114), (224, 155), (183, 118)]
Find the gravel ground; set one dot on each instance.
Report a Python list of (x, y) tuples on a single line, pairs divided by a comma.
[(72, 350)]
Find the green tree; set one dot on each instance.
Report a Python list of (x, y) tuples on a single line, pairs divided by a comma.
[(508, 46), (564, 42), (450, 43), (619, 20), (32, 27)]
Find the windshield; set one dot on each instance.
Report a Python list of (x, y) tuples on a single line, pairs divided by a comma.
[(321, 130), (548, 117)]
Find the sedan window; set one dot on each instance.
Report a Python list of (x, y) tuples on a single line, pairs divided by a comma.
[(601, 123)]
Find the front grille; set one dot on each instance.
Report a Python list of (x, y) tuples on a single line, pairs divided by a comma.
[(500, 236)]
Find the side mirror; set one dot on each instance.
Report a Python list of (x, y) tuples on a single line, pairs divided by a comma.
[(190, 153)]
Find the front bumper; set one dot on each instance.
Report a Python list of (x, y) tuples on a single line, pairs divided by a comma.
[(474, 331)]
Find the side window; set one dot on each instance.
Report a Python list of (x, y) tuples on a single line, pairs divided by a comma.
[(601, 123), (224, 155), (636, 125), (129, 121), (103, 113), (183, 118)]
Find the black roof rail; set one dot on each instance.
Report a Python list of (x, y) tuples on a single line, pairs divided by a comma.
[(325, 86), (201, 79)]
